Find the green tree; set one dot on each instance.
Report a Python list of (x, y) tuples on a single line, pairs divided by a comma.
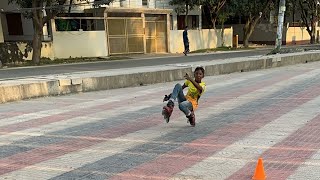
[(41, 12), (223, 16), (252, 11), (310, 16), (292, 9), (37, 9), (214, 7), (184, 6)]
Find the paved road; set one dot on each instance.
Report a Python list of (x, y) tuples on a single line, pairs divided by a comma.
[(137, 62), (273, 114)]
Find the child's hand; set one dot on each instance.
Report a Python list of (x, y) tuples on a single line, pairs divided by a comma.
[(187, 77)]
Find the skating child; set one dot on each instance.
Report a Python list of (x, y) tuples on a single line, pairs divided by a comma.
[(187, 103)]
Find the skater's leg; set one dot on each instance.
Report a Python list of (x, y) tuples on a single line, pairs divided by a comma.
[(177, 93), (186, 107)]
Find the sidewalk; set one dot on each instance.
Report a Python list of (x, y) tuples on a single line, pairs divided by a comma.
[(272, 114), (59, 84)]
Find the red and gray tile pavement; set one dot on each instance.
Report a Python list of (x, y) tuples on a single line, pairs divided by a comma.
[(120, 133)]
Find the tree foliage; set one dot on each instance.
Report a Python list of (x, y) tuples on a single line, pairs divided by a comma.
[(251, 11), (184, 6), (310, 16), (35, 9), (223, 16), (41, 11), (214, 7), (292, 8)]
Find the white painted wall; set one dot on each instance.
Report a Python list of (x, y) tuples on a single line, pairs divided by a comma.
[(46, 50), (297, 35), (79, 44), (199, 39), (93, 43), (72, 44)]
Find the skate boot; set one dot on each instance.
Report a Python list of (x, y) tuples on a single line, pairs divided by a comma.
[(192, 119), (167, 111), (166, 97)]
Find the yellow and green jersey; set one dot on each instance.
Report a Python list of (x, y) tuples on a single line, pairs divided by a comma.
[(193, 94)]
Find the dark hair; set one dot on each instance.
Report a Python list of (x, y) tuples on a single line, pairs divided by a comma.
[(199, 68), (186, 27)]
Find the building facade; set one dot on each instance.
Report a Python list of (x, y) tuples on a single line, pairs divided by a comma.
[(16, 27)]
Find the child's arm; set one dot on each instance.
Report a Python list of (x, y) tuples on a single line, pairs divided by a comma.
[(184, 86), (194, 83)]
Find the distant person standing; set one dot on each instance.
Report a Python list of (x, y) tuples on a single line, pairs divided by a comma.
[(186, 41)]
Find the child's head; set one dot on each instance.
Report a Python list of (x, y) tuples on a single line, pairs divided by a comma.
[(198, 73)]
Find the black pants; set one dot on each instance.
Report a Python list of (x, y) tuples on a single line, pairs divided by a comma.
[(186, 48)]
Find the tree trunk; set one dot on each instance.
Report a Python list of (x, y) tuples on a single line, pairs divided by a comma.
[(222, 34), (313, 39), (186, 17), (246, 34), (69, 9), (214, 20), (37, 18), (37, 44), (313, 32), (248, 29), (313, 20), (69, 14), (246, 40)]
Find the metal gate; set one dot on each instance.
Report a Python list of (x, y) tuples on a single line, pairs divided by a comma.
[(156, 34), (125, 35)]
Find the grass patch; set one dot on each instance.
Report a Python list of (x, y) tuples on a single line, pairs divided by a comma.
[(220, 49)]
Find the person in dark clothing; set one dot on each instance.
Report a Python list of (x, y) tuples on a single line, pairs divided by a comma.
[(186, 41)]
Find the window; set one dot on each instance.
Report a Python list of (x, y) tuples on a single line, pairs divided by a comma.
[(193, 22), (14, 24), (79, 24), (144, 2)]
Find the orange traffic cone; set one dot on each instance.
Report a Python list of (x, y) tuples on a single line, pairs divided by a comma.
[(259, 173)]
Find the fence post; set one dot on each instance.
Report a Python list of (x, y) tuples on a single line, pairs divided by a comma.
[(235, 41)]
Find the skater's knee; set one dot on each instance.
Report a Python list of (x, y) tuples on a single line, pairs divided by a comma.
[(178, 85), (181, 107), (184, 109)]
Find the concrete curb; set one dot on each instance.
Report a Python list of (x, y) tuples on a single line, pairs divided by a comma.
[(53, 85)]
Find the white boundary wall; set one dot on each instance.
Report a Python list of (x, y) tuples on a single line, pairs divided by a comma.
[(79, 43), (200, 39)]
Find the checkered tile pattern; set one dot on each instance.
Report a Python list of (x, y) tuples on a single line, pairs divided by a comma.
[(120, 133)]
